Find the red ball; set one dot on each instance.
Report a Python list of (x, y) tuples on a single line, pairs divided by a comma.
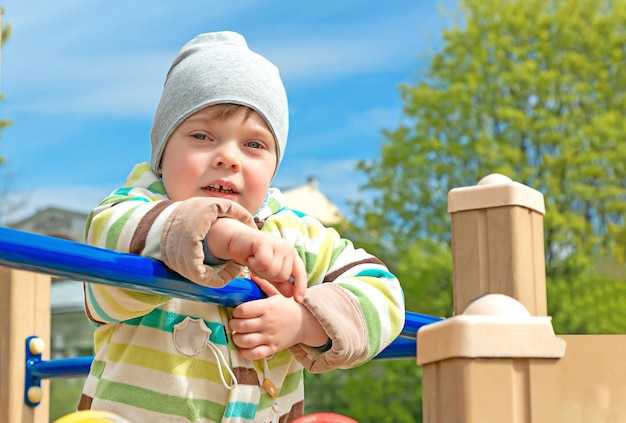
[(324, 418)]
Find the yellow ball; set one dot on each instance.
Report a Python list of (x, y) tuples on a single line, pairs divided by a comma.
[(36, 346), (91, 416), (35, 394)]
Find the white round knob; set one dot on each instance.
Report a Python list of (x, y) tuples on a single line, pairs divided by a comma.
[(35, 394), (496, 305), (494, 178), (36, 346)]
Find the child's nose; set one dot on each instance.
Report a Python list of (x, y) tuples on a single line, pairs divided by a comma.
[(227, 155)]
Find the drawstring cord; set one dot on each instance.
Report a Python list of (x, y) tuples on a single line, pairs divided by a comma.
[(267, 382), (275, 413), (221, 363), (191, 336)]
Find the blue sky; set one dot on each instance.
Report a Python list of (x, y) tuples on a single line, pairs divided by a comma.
[(81, 80)]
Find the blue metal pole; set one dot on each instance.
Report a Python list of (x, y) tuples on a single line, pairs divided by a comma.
[(73, 260), (401, 348), (414, 321), (61, 367)]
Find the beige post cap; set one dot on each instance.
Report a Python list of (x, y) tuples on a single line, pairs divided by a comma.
[(495, 190), (494, 325)]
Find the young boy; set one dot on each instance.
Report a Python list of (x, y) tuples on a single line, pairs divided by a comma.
[(205, 208)]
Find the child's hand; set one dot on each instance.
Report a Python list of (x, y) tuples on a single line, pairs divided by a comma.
[(264, 327), (273, 262)]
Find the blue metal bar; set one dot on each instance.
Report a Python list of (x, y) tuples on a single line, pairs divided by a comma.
[(61, 367), (401, 348), (414, 321), (73, 260)]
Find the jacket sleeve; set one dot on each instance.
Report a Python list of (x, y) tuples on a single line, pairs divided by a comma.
[(358, 302), (165, 230)]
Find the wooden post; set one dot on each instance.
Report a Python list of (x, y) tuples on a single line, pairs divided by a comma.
[(497, 243), (479, 365), (24, 311), (482, 366), (500, 361)]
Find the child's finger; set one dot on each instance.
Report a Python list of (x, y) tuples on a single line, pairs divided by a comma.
[(267, 287), (285, 288), (300, 281)]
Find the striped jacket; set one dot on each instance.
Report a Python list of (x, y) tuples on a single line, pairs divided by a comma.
[(172, 360)]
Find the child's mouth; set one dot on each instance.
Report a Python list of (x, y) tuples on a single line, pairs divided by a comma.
[(220, 188)]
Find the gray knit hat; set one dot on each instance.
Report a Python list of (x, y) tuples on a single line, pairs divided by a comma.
[(213, 68)]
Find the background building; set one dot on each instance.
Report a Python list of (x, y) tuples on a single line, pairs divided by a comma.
[(309, 199), (71, 332)]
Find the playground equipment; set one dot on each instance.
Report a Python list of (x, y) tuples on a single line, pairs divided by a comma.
[(496, 360)]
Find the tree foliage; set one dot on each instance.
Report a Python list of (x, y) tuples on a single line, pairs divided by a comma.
[(377, 392), (7, 204), (533, 89), (6, 31)]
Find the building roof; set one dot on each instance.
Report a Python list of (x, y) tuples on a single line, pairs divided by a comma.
[(308, 199), (54, 221)]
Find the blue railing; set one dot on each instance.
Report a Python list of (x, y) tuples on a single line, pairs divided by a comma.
[(73, 260)]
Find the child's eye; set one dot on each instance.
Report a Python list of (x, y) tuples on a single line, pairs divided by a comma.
[(254, 144), (202, 137)]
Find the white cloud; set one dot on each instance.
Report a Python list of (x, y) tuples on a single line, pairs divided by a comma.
[(114, 86), (60, 58), (77, 60), (385, 43)]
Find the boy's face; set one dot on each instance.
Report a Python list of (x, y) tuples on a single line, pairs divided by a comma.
[(231, 157)]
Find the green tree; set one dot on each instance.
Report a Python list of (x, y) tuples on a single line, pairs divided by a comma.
[(6, 32), (532, 89), (64, 396), (5, 205), (377, 392)]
